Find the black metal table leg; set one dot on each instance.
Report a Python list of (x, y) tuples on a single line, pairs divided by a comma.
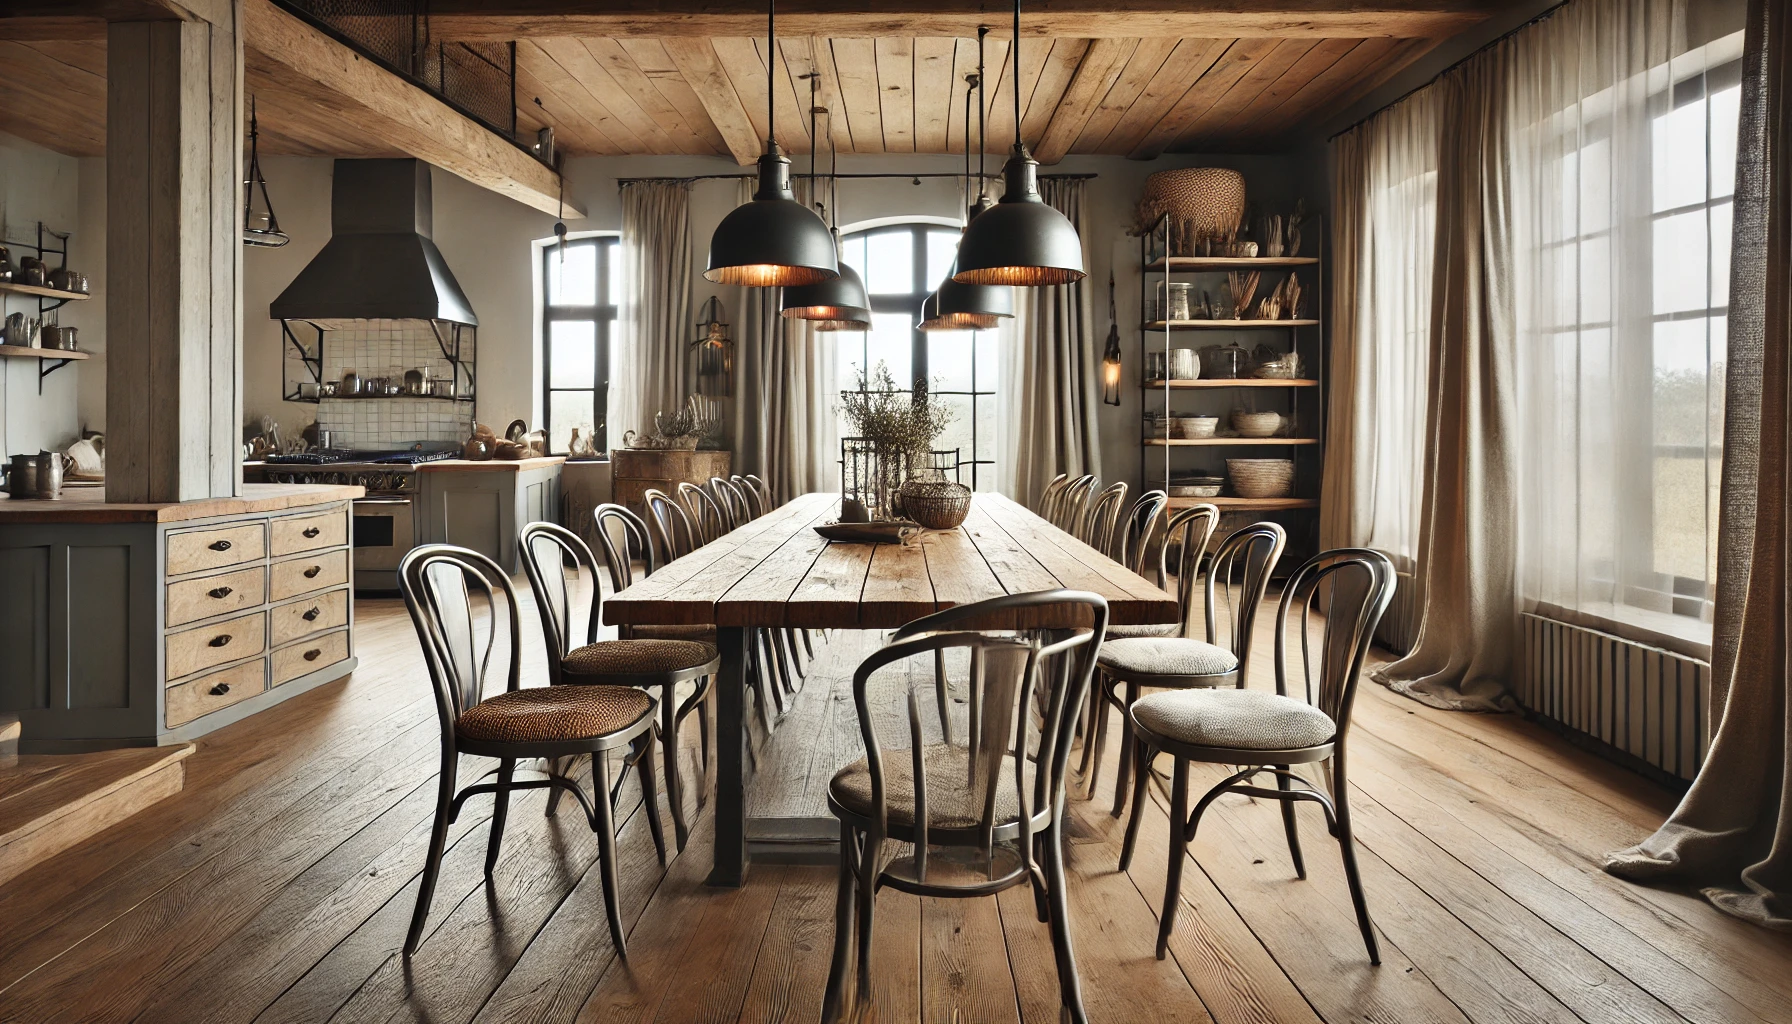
[(731, 740)]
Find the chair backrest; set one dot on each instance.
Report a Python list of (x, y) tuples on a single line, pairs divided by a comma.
[(712, 521), (444, 588), (732, 501), (1233, 588), (755, 503), (620, 533), (1049, 498), (1004, 670), (1138, 532), (1103, 517), (1075, 500), (546, 548), (1189, 531), (766, 503), (669, 525), (1350, 589)]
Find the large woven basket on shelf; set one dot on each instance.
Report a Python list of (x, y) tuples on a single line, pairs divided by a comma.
[(1209, 199), (1261, 478)]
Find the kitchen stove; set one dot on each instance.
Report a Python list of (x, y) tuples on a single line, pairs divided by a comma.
[(385, 523)]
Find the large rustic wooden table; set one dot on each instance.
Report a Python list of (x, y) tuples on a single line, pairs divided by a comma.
[(776, 572)]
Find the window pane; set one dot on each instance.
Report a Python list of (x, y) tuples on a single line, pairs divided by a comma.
[(892, 343), (989, 344), (949, 360), (572, 354), (890, 263), (566, 410), (958, 432), (942, 249), (1682, 463), (1678, 159), (1680, 274), (572, 275), (986, 441), (1725, 112), (1720, 255), (850, 359), (852, 251), (614, 295)]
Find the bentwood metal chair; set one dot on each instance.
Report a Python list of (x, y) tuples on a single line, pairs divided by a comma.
[(711, 518), (1188, 532), (1234, 584), (1074, 503), (764, 491), (1051, 495), (981, 815), (1103, 518), (1137, 534), (670, 525), (458, 634), (755, 501), (1266, 733), (733, 501), (679, 672)]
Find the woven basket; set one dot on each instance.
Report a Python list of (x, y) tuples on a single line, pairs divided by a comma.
[(936, 504), (1210, 199), (1261, 478)]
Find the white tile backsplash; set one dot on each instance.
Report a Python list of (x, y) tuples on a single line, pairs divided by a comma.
[(388, 348)]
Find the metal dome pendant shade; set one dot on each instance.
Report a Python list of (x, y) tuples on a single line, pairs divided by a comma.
[(965, 307), (836, 305), (772, 241), (1020, 240)]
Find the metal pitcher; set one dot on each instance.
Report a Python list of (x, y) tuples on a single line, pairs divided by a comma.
[(48, 474), (20, 331)]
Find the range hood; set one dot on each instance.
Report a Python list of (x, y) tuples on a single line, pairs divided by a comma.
[(380, 262)]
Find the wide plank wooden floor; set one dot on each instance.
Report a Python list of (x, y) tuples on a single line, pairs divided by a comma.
[(278, 884)]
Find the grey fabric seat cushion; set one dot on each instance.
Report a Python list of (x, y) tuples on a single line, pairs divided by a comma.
[(1154, 629), (1166, 656), (1237, 719), (952, 802)]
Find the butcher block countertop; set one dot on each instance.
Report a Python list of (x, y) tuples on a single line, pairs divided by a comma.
[(490, 465), (87, 505)]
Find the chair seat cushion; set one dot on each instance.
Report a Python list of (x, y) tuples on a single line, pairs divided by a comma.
[(632, 657), (1155, 629), (699, 634), (1166, 656), (1235, 719), (551, 713), (952, 802)]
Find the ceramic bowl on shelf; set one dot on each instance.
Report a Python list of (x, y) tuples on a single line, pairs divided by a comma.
[(1191, 427), (1196, 486), (1256, 424)]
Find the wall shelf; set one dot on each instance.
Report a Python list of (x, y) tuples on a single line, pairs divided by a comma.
[(42, 292), (1210, 263), (49, 243), (1180, 442), (1223, 325), (1256, 504), (1242, 382), (24, 352)]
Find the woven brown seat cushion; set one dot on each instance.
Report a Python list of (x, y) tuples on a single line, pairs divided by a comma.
[(608, 657), (699, 634), (547, 714), (951, 800)]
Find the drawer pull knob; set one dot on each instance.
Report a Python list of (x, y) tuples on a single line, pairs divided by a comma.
[(220, 640), (314, 653), (221, 592), (311, 616), (221, 689), (312, 572), (220, 545), (311, 531)]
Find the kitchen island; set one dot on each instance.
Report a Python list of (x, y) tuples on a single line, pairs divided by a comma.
[(482, 505), (154, 623)]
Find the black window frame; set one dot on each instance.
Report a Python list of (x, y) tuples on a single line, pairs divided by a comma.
[(603, 315)]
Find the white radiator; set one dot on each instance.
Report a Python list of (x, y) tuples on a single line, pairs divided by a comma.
[(1641, 700)]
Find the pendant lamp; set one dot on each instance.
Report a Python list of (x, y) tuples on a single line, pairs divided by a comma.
[(1110, 358), (839, 304), (973, 307), (773, 240), (1021, 241), (259, 229)]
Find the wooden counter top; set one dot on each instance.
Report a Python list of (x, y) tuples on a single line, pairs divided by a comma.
[(490, 465), (255, 498)]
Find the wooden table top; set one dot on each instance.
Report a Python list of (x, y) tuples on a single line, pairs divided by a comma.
[(776, 571)]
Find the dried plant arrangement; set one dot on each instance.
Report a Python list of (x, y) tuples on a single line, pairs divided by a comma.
[(1243, 288), (1291, 295)]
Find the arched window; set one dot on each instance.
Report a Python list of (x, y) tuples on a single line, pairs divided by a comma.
[(901, 264), (582, 289)]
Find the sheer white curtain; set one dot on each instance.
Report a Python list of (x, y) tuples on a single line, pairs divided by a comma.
[(1624, 151), (649, 368), (1384, 232)]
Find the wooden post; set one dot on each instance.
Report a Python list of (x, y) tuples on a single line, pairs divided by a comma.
[(174, 257)]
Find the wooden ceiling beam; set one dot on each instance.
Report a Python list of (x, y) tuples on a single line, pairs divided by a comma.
[(1086, 19), (696, 62), (382, 105), (1100, 69)]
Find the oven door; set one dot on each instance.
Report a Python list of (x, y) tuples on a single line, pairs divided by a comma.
[(383, 533)]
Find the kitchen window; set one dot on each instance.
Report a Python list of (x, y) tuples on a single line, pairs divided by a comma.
[(581, 286), (901, 264)]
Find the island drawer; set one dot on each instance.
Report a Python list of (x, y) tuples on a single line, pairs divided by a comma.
[(199, 550), (308, 615), (195, 650), (214, 692), (308, 656), (297, 576), (206, 596), (308, 533)]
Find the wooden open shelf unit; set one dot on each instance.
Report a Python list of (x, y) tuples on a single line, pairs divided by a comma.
[(1240, 382), (1257, 504), (1229, 262), (1178, 442), (1224, 325)]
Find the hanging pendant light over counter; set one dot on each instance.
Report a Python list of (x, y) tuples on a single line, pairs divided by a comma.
[(772, 241), (839, 304), (976, 307), (1021, 240)]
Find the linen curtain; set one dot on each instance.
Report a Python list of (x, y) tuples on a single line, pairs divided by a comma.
[(1732, 833), (1051, 388), (648, 363), (1384, 226), (786, 386)]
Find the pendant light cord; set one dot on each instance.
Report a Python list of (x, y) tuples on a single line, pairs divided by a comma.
[(1014, 58), (982, 143), (771, 54)]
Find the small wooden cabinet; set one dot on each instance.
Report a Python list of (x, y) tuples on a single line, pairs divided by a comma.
[(635, 470)]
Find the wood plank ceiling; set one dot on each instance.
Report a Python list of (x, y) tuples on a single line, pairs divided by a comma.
[(651, 83)]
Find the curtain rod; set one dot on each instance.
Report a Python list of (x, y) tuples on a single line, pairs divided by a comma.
[(1490, 44), (923, 174)]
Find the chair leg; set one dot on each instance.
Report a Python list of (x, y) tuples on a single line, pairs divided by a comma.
[(703, 713), (867, 903), (1284, 784), (1347, 846), (831, 1009), (1124, 779), (1070, 987), (762, 687), (1178, 854), (500, 808), (606, 848), (432, 861), (559, 766), (669, 746), (1141, 772), (1086, 726), (650, 797), (796, 657), (940, 696)]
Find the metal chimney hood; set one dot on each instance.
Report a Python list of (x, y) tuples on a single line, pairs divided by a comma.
[(380, 262)]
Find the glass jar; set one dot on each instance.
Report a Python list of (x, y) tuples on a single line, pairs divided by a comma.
[(1178, 306)]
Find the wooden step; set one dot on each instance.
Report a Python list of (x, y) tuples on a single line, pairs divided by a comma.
[(50, 802)]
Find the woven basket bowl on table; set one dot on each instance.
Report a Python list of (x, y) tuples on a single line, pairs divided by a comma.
[(1211, 199), (936, 504), (1261, 478)]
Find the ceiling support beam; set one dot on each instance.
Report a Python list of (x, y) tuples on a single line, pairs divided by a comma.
[(696, 61), (335, 79), (1100, 68)]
